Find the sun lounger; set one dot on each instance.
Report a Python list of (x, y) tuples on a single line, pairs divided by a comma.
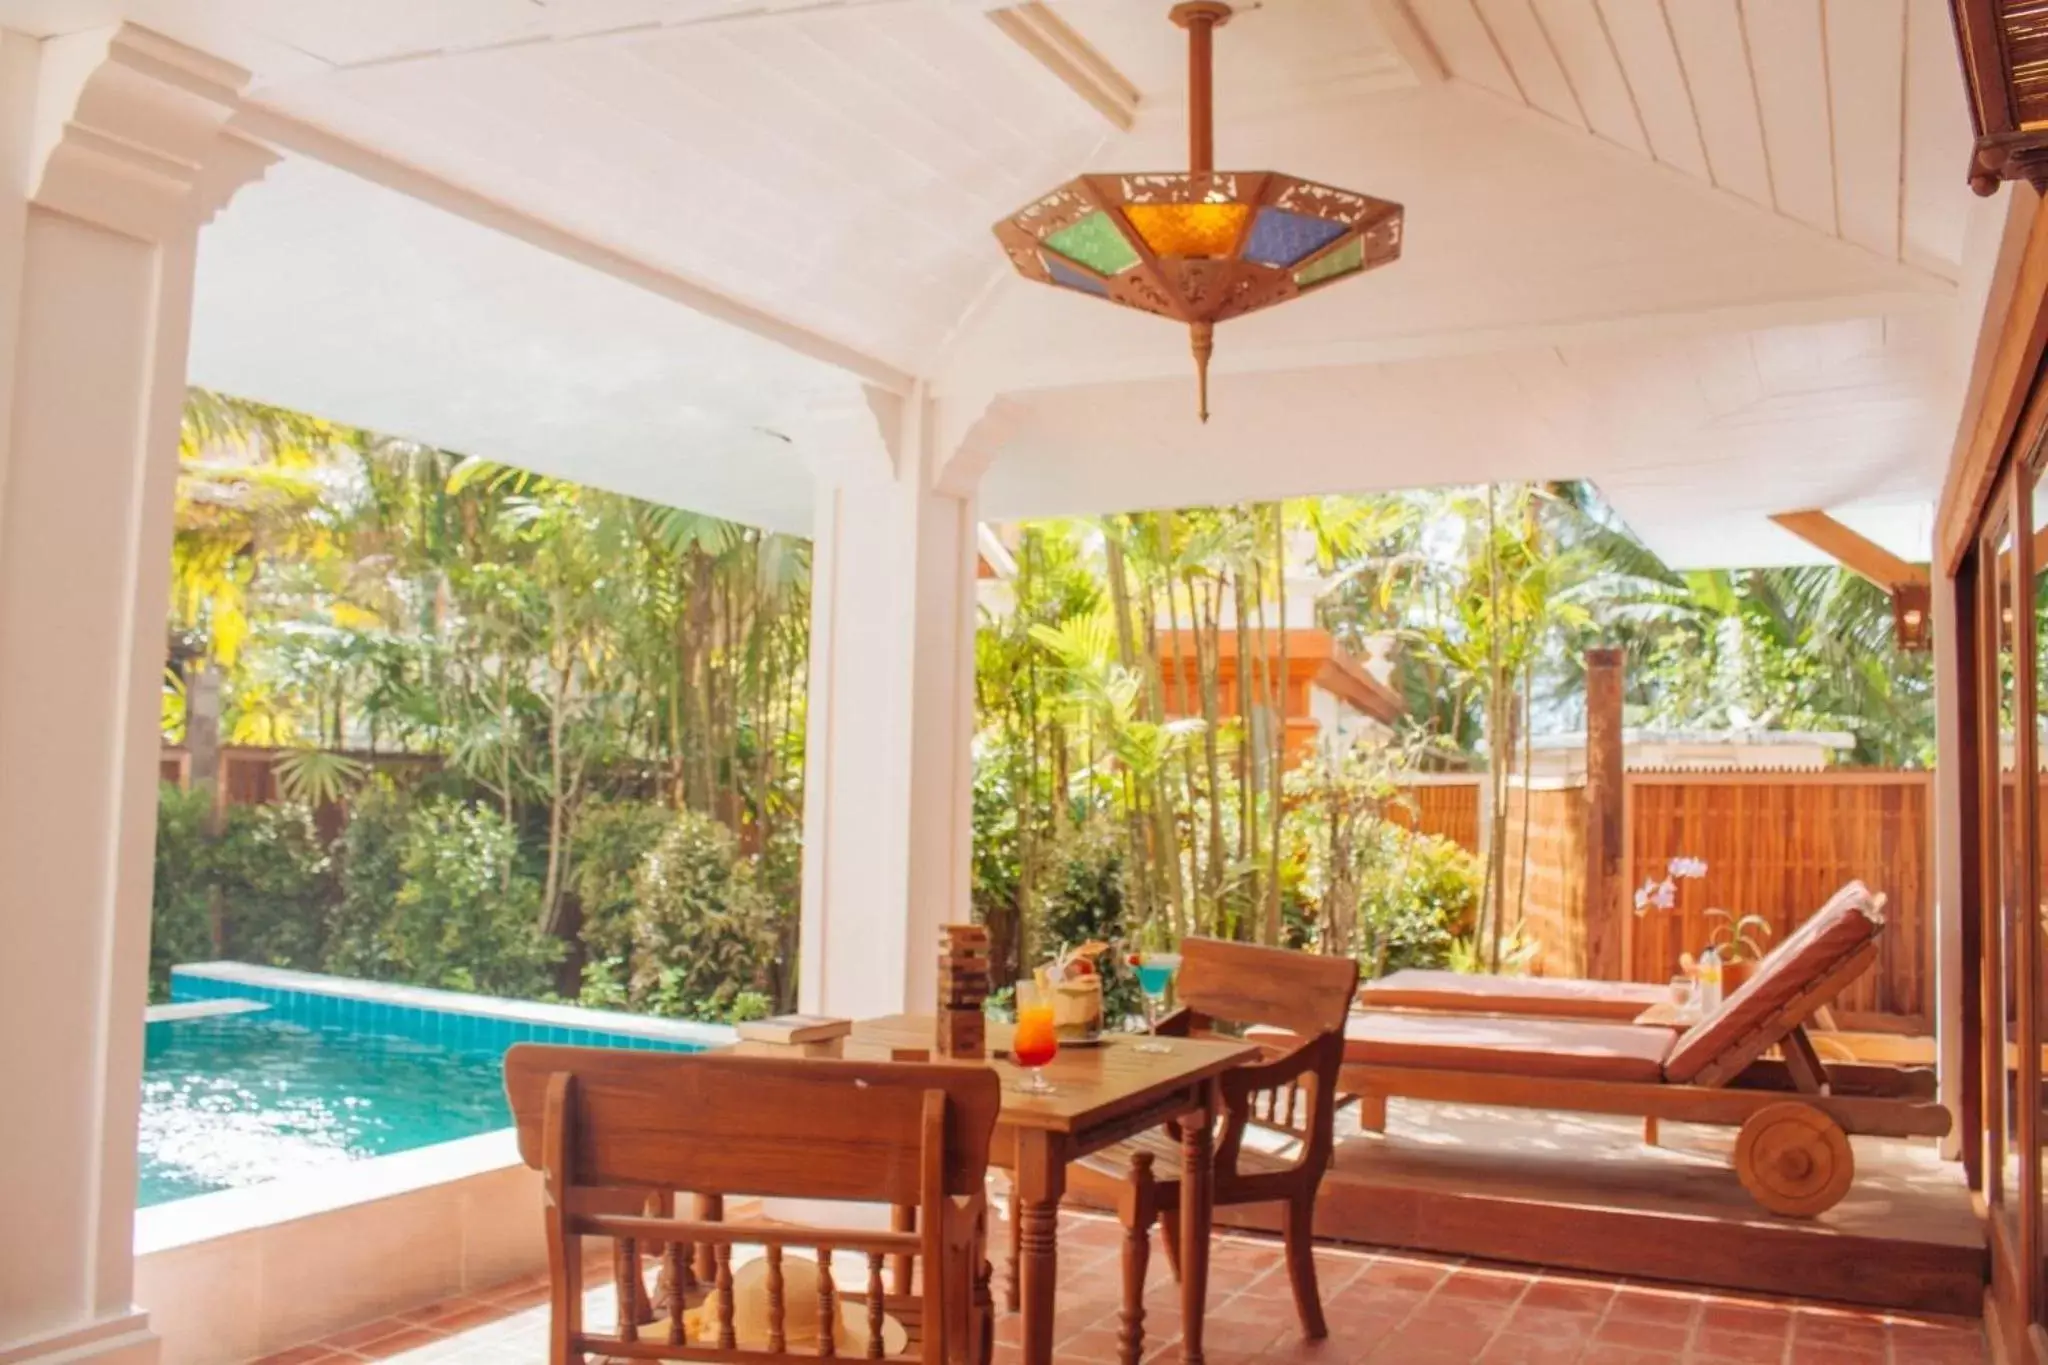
[(1794, 1113), (1548, 997)]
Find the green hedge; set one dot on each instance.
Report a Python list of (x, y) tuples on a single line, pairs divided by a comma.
[(431, 890)]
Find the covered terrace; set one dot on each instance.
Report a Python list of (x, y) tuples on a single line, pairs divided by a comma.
[(1718, 258)]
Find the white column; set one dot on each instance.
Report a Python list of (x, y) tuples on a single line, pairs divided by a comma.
[(115, 154), (888, 777)]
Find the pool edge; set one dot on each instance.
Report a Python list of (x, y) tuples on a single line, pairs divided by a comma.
[(262, 1269)]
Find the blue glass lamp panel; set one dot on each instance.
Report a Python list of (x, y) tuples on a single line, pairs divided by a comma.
[(1280, 238), (1064, 274)]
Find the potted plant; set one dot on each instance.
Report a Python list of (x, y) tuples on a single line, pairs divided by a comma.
[(1741, 941)]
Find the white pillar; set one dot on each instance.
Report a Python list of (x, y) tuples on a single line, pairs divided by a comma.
[(888, 797), (114, 153)]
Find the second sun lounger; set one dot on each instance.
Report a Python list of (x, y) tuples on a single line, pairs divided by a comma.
[(1546, 997), (1795, 1113)]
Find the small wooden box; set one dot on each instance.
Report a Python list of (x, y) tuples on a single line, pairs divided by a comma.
[(962, 1034), (963, 987)]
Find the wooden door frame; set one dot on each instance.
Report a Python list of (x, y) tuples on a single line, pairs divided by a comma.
[(1966, 644), (2030, 471), (1990, 907), (2015, 1298)]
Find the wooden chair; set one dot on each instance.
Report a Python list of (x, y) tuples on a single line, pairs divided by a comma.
[(613, 1131), (1294, 1005)]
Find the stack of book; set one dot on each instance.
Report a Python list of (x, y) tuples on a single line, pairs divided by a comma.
[(793, 1035)]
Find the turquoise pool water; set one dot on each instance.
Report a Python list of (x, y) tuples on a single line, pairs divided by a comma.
[(241, 1099), (326, 1070)]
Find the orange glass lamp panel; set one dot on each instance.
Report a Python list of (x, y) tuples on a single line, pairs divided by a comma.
[(1197, 230)]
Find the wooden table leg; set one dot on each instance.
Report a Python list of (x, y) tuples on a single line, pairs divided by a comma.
[(1041, 1180), (1195, 1210), (902, 1218), (1010, 1291), (710, 1208)]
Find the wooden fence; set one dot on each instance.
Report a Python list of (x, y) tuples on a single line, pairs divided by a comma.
[(248, 774), (1440, 807), (1775, 844), (1778, 845), (1554, 866)]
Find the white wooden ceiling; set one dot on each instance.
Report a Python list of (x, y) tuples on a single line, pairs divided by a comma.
[(816, 164), (1844, 115), (1717, 255), (1291, 53), (323, 293)]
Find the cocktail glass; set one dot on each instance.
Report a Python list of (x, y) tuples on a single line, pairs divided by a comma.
[(1155, 978), (1034, 1041)]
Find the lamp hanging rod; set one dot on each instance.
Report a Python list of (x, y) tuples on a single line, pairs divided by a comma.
[(1201, 18)]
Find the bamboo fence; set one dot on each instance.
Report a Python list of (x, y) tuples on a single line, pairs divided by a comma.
[(1776, 845)]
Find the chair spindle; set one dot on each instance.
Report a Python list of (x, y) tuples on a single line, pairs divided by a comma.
[(1137, 1215), (626, 1280), (828, 1309), (676, 1270), (777, 1338), (875, 1351), (726, 1340)]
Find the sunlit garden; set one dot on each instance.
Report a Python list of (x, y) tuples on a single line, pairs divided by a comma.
[(539, 740)]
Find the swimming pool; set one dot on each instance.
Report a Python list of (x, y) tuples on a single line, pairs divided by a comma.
[(322, 1070)]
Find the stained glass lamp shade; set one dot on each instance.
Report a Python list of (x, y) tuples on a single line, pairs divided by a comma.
[(1200, 246)]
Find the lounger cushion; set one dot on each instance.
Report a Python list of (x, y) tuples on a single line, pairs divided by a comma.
[(1557, 997), (1565, 1048), (1851, 918)]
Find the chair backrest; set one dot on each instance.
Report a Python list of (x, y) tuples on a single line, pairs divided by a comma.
[(1803, 974), (1242, 983), (615, 1132), (805, 1128)]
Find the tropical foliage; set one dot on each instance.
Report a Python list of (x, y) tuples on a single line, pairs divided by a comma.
[(555, 662), (1106, 706), (541, 737)]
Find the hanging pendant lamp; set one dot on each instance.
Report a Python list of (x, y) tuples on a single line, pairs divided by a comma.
[(1204, 246)]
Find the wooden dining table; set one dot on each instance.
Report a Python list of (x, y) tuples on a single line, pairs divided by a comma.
[(1102, 1095)]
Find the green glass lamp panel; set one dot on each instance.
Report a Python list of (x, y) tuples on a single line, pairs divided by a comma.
[(1094, 242), (1342, 261)]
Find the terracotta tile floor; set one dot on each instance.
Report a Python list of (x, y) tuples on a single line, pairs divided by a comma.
[(1387, 1308)]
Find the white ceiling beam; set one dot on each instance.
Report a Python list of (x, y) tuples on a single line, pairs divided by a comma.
[(738, 16), (1087, 366), (289, 134), (1410, 42), (1054, 45)]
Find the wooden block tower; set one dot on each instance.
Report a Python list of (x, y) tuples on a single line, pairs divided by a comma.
[(963, 990)]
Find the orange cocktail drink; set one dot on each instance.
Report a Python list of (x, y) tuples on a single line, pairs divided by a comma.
[(1034, 1041)]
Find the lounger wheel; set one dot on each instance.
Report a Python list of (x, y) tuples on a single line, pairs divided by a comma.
[(1794, 1160)]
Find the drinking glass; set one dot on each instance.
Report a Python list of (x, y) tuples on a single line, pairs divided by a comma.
[(1155, 978), (1035, 1041)]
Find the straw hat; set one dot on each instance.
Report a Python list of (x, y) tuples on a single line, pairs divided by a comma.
[(799, 1313)]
